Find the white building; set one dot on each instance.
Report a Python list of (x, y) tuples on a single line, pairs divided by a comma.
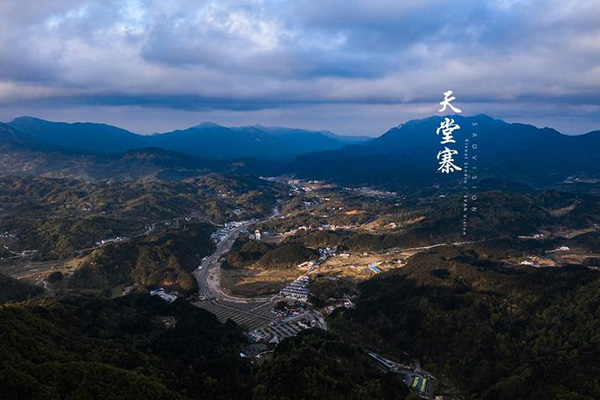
[(169, 298)]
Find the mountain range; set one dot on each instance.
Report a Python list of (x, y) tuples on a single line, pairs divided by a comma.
[(207, 140), (403, 156), (407, 154)]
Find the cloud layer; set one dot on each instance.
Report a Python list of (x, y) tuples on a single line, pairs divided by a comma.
[(300, 61)]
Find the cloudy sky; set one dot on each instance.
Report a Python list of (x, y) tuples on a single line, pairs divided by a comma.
[(352, 66)]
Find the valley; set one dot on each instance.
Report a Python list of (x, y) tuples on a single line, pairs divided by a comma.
[(288, 264), (299, 200)]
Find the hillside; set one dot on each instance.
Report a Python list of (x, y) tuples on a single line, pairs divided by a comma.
[(59, 217), (406, 155), (207, 140), (85, 137), (16, 291), (140, 347), (162, 260), (83, 347), (403, 157), (497, 332)]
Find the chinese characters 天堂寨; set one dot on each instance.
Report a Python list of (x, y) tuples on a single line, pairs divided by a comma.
[(447, 128)]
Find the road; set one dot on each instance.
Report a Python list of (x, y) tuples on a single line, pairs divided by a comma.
[(209, 277), (253, 313)]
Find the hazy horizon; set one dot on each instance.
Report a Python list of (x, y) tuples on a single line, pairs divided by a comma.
[(267, 126)]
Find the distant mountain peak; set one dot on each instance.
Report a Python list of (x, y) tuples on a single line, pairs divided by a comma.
[(25, 118), (207, 125)]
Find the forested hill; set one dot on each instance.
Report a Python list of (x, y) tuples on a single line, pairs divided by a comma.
[(15, 291), (141, 348), (406, 155), (497, 332)]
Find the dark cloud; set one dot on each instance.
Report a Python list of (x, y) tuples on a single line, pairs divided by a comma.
[(251, 55)]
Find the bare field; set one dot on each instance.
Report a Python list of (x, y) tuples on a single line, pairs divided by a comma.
[(356, 265), (556, 258), (255, 281), (37, 270)]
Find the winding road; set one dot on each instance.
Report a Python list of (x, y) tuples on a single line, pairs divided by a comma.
[(209, 277)]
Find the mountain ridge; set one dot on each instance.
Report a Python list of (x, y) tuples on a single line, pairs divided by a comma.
[(406, 154), (205, 140)]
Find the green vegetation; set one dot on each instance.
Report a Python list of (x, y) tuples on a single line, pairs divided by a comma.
[(495, 332), (317, 365), (254, 268), (57, 217), (320, 238), (161, 260), (502, 215), (326, 289), (87, 348), (246, 253), (82, 347), (15, 291), (487, 329)]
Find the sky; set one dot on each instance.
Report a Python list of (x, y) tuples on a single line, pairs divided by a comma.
[(355, 67)]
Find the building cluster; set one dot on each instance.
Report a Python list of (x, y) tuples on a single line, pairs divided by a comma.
[(221, 233), (334, 227), (298, 289), (218, 235), (8, 235), (536, 236), (298, 186), (371, 192), (273, 178), (310, 204), (234, 224), (224, 194), (160, 292), (539, 262), (289, 311), (326, 252), (530, 263), (276, 331), (346, 303), (111, 240)]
